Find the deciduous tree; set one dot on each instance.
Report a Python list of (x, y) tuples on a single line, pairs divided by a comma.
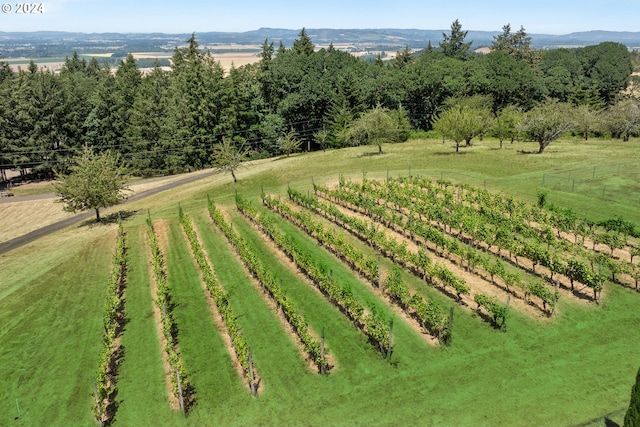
[(623, 119), (289, 143), (547, 122), (586, 119), (376, 126), (95, 181), (505, 125), (229, 155), (462, 123)]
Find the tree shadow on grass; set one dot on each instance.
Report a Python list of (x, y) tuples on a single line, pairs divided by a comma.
[(110, 219), (371, 154), (608, 422), (452, 153)]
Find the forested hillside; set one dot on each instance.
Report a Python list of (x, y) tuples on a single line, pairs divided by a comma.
[(167, 121)]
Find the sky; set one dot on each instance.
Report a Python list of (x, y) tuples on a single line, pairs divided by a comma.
[(142, 16)]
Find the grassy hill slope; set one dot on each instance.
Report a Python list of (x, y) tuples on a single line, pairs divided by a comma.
[(576, 367)]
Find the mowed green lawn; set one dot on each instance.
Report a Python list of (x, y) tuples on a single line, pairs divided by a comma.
[(575, 368)]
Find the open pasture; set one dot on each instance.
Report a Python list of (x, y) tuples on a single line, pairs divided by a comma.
[(388, 365)]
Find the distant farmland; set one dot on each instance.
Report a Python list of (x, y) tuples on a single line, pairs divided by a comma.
[(226, 55)]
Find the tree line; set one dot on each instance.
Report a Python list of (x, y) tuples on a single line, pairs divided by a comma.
[(168, 121)]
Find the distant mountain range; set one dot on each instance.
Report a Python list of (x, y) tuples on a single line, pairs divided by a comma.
[(54, 43)]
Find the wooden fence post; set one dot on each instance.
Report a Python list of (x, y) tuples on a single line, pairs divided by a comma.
[(252, 383), (98, 403), (322, 367), (389, 345), (180, 397), (506, 311)]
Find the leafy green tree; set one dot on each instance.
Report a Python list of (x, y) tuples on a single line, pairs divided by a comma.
[(75, 64), (102, 110), (508, 81), (586, 120), (505, 125), (244, 106), (303, 88), (562, 73), (126, 85), (623, 119), (32, 119), (271, 128), (289, 143), (95, 181), (6, 117), (453, 44), (229, 155), (461, 123), (401, 124), (78, 82), (608, 67), (322, 139), (376, 126), (430, 81), (7, 123), (17, 114), (547, 122), (382, 85), (632, 417)]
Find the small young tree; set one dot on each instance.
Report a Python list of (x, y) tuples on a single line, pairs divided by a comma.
[(623, 119), (228, 156), (95, 181), (586, 119), (289, 143), (632, 417), (505, 125), (462, 123), (322, 138), (378, 126)]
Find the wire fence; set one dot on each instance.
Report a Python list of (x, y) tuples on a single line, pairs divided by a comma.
[(615, 183), (606, 182)]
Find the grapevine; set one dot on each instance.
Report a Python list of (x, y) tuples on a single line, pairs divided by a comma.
[(181, 386), (270, 283), (113, 318), (372, 324)]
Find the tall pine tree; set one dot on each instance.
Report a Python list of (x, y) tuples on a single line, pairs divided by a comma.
[(453, 44), (147, 131), (197, 100)]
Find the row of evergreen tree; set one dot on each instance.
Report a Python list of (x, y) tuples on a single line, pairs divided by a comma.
[(167, 121)]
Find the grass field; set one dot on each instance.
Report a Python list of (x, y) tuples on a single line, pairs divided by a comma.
[(576, 368)]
